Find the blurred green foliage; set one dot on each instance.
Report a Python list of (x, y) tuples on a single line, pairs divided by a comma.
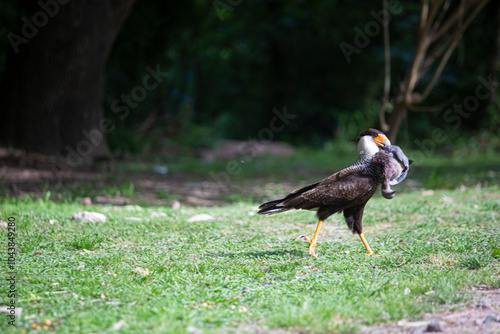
[(230, 65)]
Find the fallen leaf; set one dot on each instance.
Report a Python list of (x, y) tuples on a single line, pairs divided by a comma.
[(142, 271), (133, 218), (118, 325), (427, 193)]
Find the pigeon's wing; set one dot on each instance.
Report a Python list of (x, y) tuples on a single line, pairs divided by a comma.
[(403, 160)]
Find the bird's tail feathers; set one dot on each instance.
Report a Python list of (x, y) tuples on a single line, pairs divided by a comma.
[(293, 200), (272, 207)]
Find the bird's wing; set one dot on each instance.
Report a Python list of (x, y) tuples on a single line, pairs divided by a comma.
[(399, 155), (342, 192), (403, 160), (341, 189)]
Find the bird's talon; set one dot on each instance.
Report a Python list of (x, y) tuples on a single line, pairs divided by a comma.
[(372, 254), (311, 252)]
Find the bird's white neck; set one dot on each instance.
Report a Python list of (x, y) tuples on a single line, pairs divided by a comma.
[(366, 148)]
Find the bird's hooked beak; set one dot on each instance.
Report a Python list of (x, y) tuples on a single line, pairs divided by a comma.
[(381, 140)]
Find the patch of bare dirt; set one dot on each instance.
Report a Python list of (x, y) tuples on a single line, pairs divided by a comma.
[(482, 315), (36, 174), (232, 149), (33, 174)]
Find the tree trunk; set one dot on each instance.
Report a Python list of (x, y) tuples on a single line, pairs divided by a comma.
[(440, 28), (395, 117), (494, 60), (52, 89), (394, 120)]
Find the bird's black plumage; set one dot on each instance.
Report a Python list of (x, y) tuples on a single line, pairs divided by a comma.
[(346, 191), (349, 188)]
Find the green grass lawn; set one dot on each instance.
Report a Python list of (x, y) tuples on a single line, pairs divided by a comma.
[(241, 272)]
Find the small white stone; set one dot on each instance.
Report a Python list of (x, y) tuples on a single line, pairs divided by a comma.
[(118, 325), (89, 217), (200, 218)]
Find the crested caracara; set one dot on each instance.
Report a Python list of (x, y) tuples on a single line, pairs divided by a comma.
[(347, 190)]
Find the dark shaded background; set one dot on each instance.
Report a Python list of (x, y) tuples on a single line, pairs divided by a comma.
[(227, 73)]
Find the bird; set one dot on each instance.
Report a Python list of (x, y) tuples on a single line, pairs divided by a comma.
[(348, 190), (388, 168), (400, 162)]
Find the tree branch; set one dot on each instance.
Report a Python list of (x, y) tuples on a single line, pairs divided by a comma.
[(453, 45), (441, 16), (387, 78), (433, 11), (439, 107), (422, 44)]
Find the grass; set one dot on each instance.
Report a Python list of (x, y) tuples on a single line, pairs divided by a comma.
[(434, 171), (147, 269), (243, 273)]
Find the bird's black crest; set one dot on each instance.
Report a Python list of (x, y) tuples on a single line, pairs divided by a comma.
[(369, 132)]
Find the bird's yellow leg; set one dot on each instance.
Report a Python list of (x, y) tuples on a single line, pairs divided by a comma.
[(370, 252), (312, 243)]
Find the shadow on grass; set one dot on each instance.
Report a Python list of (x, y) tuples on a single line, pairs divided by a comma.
[(262, 254)]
